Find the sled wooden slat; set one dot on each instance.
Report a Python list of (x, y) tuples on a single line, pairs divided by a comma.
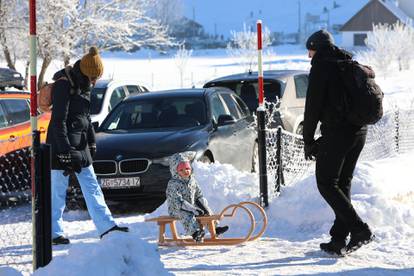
[(209, 223)]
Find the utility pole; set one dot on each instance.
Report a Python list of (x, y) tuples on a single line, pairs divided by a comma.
[(193, 13), (299, 22)]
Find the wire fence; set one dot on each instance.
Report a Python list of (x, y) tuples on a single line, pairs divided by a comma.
[(15, 192), (15, 171), (392, 135)]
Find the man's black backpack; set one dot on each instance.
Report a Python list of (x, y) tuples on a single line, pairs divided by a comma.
[(363, 97)]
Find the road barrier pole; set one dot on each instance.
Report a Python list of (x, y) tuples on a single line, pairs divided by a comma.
[(261, 124), (40, 166)]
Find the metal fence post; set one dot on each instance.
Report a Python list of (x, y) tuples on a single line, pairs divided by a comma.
[(397, 130), (279, 173), (261, 142), (46, 203), (41, 203)]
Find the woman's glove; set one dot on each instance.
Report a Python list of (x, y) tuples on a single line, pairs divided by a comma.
[(71, 162)]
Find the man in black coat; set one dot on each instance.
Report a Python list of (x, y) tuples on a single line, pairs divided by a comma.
[(338, 149), (72, 140)]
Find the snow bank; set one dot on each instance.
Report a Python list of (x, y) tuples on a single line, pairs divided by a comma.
[(115, 254), (381, 192)]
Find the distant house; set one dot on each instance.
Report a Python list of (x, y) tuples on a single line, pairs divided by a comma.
[(356, 29)]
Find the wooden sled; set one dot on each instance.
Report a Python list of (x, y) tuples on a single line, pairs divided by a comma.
[(207, 222)]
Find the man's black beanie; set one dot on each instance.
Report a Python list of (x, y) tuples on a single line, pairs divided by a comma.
[(319, 40)]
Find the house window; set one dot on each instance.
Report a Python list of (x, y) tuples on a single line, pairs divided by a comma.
[(359, 39)]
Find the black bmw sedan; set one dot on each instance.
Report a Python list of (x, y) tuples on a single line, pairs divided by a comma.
[(137, 138)]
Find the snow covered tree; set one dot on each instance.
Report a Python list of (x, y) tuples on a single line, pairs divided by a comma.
[(181, 60), (243, 46), (168, 12), (389, 45), (67, 27), (13, 31), (403, 34)]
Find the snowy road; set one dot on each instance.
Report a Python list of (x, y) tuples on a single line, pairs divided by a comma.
[(298, 222)]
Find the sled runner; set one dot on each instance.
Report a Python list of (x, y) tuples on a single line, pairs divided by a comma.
[(207, 222)]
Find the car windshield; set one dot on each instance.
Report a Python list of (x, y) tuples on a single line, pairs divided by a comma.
[(157, 113), (97, 97)]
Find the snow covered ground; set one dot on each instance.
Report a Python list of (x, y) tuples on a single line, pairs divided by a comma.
[(298, 220)]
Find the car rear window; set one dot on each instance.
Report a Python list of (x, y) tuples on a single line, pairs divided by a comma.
[(97, 97), (248, 91), (133, 89), (301, 84), (18, 110), (3, 119), (156, 113)]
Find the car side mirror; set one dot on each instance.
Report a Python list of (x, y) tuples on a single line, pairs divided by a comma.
[(224, 120), (95, 126)]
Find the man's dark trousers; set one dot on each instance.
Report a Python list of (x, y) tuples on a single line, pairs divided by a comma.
[(335, 163)]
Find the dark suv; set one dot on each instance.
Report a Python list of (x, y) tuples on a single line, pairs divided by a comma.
[(10, 78), (289, 86), (139, 135)]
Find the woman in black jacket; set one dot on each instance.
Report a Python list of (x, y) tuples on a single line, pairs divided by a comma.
[(338, 150), (72, 140)]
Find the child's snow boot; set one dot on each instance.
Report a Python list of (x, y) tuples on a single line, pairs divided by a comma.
[(60, 240), (198, 235), (221, 229)]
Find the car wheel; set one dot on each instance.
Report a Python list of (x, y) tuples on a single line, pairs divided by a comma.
[(299, 130), (255, 158), (2, 88)]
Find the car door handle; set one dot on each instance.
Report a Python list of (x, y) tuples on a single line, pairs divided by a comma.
[(12, 138)]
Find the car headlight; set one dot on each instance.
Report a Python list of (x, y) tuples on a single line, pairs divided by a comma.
[(165, 161), (16, 75)]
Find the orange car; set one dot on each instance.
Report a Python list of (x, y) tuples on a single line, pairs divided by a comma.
[(15, 129), (15, 140)]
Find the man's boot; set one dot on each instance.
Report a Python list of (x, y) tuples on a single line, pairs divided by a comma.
[(334, 247), (359, 238)]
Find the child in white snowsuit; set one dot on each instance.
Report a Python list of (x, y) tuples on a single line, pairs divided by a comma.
[(184, 197)]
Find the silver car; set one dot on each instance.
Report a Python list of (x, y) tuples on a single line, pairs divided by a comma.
[(107, 94), (288, 86)]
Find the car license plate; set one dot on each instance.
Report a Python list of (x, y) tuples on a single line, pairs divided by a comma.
[(119, 183)]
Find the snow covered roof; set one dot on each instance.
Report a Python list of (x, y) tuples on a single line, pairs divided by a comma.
[(390, 5), (376, 12)]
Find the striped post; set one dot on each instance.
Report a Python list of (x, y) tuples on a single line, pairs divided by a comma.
[(33, 73), (33, 123), (40, 166), (261, 125), (260, 62)]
